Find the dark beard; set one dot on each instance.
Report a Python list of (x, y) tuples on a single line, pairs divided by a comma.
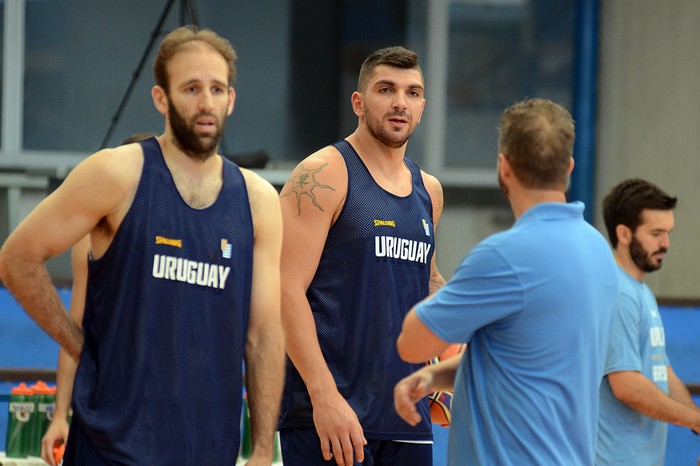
[(184, 137), (384, 136), (641, 258)]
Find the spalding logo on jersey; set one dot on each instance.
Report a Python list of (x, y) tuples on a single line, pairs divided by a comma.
[(385, 223), (169, 241)]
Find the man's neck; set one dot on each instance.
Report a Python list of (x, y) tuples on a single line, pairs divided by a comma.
[(369, 147), (174, 155), (623, 259), (521, 200), (198, 181), (385, 164)]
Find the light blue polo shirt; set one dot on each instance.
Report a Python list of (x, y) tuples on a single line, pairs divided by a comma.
[(637, 343), (535, 304)]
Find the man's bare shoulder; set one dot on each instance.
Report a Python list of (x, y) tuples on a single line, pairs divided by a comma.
[(264, 206), (106, 181), (430, 181), (121, 164), (434, 188), (261, 192), (323, 170), (432, 184), (326, 160), (318, 183)]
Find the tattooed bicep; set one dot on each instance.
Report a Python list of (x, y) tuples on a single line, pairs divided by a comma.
[(304, 186)]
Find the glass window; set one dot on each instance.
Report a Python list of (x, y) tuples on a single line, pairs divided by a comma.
[(297, 67), (81, 57), (498, 52), (501, 51)]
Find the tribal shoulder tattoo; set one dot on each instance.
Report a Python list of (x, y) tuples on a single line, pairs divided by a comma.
[(303, 183)]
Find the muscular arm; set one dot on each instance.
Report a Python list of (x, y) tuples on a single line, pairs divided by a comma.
[(416, 342), (58, 429), (642, 395), (91, 192), (310, 200), (678, 391), (24, 275), (264, 351)]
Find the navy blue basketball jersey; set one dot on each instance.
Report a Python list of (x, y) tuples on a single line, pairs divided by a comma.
[(160, 375), (374, 267)]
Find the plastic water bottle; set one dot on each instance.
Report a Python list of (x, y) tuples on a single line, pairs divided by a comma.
[(277, 458), (44, 404), (246, 442), (20, 411)]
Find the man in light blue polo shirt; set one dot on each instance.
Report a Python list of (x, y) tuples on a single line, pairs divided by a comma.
[(640, 393), (535, 304)]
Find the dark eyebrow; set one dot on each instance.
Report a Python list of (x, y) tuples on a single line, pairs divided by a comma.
[(199, 82), (393, 84)]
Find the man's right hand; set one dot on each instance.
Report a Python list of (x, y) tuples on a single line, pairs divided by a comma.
[(338, 429), (409, 390), (55, 434)]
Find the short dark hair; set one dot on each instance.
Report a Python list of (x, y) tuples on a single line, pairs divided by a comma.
[(180, 38), (396, 56), (536, 136), (626, 201)]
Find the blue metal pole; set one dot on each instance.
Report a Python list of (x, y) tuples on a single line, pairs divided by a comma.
[(585, 97)]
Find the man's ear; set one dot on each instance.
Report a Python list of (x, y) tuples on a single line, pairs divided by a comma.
[(160, 99), (231, 100), (504, 168), (422, 109), (356, 100), (624, 235)]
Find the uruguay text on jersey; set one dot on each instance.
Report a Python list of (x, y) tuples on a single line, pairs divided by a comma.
[(184, 270), (401, 248)]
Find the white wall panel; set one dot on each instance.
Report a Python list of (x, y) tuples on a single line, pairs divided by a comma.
[(649, 118)]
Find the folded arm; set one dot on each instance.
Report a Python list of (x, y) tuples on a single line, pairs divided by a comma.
[(642, 395)]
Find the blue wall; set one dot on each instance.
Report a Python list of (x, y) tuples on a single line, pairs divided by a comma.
[(23, 344), (683, 347)]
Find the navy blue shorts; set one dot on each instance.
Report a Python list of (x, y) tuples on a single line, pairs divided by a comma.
[(302, 447), (79, 450)]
